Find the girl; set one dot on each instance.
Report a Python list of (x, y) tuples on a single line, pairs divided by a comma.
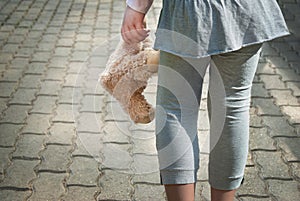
[(191, 35)]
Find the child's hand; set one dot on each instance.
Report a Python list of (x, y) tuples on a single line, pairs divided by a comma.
[(133, 30)]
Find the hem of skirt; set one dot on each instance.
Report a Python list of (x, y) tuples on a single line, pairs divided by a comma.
[(178, 177), (208, 54)]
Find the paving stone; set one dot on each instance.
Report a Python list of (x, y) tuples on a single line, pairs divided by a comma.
[(288, 74), (258, 91), (55, 158), (89, 122), (41, 57), (19, 63), (148, 192), (10, 48), (55, 74), (37, 123), (82, 192), (115, 186), (293, 113), (82, 46), (4, 158), (144, 146), (44, 104), (62, 51), (248, 189), (65, 42), (81, 150), (65, 113), (260, 140), (51, 38), (57, 61), (15, 114), (69, 95), (79, 56), (255, 121), (290, 148), (247, 198), (295, 87), (29, 146), (202, 174), (31, 81), (284, 190), (75, 67), (284, 97), (279, 126), (25, 52), (116, 156), (8, 134), (268, 50), (92, 143), (8, 195), (202, 191), (115, 112), (13, 75), (7, 88), (74, 80), (93, 87), (45, 47), (144, 163), (91, 103), (264, 68), (272, 81), (266, 106), (274, 168), (61, 133), (50, 88), (278, 62), (52, 191), (17, 39), (19, 174), (84, 171), (3, 104), (23, 96), (295, 170)]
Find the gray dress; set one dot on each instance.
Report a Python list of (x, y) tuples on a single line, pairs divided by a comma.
[(200, 28)]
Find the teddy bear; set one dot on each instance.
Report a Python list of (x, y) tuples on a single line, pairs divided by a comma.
[(125, 77)]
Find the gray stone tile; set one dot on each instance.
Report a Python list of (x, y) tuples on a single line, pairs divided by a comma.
[(82, 192), (55, 158), (84, 171), (272, 166), (19, 174), (115, 186), (52, 191), (37, 123), (23, 96), (44, 104), (29, 146), (15, 114)]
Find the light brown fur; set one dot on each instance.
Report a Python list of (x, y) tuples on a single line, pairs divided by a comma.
[(127, 71)]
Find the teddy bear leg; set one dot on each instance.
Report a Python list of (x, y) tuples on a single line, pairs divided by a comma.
[(140, 111)]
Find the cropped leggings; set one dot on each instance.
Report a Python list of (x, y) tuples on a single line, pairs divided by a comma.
[(178, 98)]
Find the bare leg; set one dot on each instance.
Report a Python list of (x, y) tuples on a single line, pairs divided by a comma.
[(180, 192), (222, 195)]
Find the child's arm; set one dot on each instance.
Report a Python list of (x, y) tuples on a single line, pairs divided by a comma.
[(133, 29)]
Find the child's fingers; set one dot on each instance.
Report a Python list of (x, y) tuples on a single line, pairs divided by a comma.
[(134, 35)]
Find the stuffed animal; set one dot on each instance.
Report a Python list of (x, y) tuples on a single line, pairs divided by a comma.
[(127, 71)]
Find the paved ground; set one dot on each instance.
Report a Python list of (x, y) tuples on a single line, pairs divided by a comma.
[(63, 138)]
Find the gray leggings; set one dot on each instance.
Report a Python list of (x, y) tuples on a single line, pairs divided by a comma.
[(178, 99)]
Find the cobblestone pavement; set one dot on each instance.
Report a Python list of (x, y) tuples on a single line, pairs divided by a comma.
[(62, 137)]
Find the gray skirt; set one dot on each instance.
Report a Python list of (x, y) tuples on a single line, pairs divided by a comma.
[(200, 28)]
